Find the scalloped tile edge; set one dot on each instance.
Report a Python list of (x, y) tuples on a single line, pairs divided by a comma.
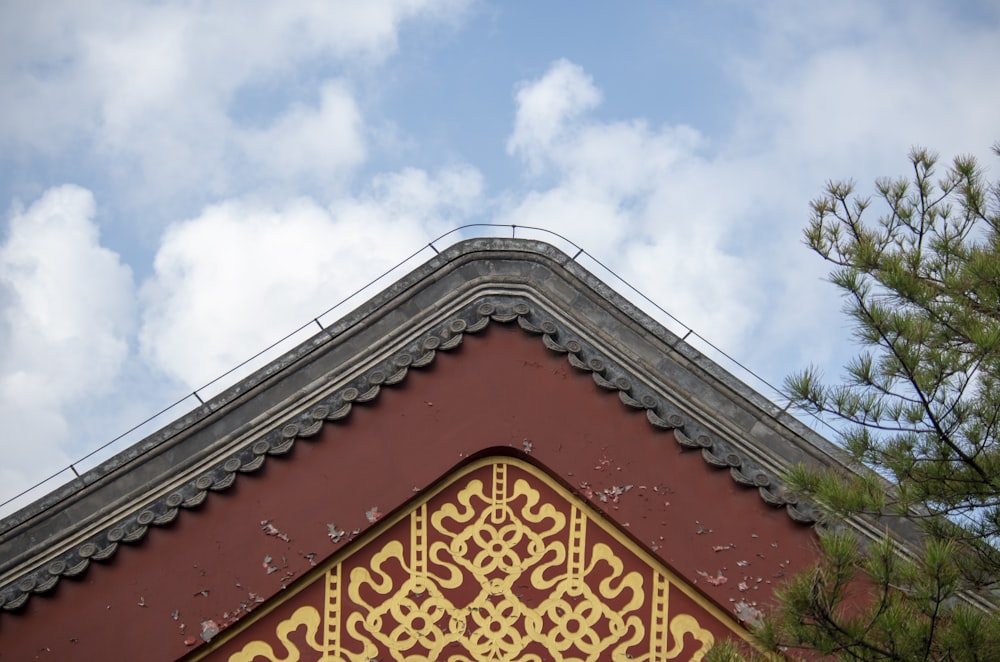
[(446, 336)]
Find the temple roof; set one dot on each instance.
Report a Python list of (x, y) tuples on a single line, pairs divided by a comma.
[(460, 292)]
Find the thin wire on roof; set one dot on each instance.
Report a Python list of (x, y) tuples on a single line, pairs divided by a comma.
[(776, 393)]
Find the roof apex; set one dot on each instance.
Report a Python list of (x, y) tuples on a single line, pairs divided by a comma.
[(460, 290)]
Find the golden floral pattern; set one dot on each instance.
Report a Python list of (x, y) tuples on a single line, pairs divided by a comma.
[(499, 572)]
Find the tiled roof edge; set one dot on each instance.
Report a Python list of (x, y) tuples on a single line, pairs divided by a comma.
[(475, 317)]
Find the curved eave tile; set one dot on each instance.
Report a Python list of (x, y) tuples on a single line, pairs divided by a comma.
[(473, 318)]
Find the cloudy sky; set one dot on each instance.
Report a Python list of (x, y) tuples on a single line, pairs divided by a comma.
[(184, 183)]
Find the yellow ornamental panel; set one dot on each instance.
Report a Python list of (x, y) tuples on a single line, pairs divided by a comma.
[(499, 563)]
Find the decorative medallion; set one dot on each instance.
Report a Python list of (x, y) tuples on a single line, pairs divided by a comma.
[(501, 562)]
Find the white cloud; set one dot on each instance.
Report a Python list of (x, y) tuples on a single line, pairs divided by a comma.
[(546, 105), (636, 196), (243, 274), (66, 309), (149, 88), (626, 158), (69, 301), (439, 202), (852, 97), (306, 143)]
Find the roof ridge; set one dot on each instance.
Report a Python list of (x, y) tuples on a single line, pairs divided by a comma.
[(43, 575)]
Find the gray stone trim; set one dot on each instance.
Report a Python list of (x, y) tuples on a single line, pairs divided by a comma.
[(606, 373)]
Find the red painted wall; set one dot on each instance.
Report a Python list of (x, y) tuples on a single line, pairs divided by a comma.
[(499, 388)]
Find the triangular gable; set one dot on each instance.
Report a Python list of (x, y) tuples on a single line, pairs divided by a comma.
[(499, 562), (492, 343)]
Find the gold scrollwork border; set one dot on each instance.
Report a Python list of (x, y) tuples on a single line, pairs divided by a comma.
[(324, 630)]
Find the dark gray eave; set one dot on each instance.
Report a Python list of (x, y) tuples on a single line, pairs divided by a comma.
[(460, 291)]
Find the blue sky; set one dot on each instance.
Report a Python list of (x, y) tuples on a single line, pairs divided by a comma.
[(184, 183)]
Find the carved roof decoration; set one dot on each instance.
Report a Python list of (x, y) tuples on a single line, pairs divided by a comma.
[(467, 572), (461, 291)]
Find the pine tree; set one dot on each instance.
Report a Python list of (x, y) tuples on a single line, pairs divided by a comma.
[(918, 413)]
